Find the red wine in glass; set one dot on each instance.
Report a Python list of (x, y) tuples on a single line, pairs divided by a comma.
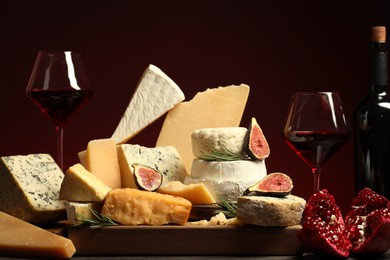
[(315, 128), (59, 87), (315, 148)]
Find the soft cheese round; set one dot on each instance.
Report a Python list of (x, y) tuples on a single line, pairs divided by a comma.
[(240, 170), (207, 142), (270, 211)]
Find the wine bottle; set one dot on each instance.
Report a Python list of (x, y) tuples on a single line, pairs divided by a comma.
[(372, 122)]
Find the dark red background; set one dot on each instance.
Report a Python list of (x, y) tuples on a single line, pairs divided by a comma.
[(276, 47)]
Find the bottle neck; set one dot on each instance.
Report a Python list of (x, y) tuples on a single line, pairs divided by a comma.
[(379, 67)]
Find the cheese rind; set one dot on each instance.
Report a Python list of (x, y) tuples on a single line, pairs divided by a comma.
[(240, 170), (195, 193), (135, 207), (164, 159), (218, 107), (102, 160), (155, 94), (207, 141), (22, 239), (270, 211), (80, 185), (29, 188)]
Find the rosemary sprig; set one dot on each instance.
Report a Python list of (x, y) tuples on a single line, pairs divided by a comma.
[(229, 206), (99, 220), (222, 154)]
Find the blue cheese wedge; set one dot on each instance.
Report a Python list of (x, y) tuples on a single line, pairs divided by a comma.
[(164, 159), (29, 188), (155, 95)]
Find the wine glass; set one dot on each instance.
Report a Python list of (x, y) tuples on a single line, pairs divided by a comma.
[(59, 87), (315, 128)]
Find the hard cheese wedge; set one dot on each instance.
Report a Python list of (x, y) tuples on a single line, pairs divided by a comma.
[(218, 107), (196, 193), (29, 188), (102, 160), (155, 94), (81, 185), (22, 239), (135, 207), (73, 209)]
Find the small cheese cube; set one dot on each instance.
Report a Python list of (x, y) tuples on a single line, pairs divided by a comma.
[(164, 159), (270, 211), (195, 193), (73, 209), (22, 239), (29, 188), (102, 160), (135, 207), (81, 185)]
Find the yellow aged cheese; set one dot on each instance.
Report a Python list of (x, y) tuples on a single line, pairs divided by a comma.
[(22, 239), (218, 107), (135, 207), (196, 193), (102, 160), (81, 185)]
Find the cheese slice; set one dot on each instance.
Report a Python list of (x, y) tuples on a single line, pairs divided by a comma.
[(218, 107), (135, 207), (74, 209), (102, 160), (164, 159), (22, 239), (29, 188), (81, 185), (155, 94), (195, 193)]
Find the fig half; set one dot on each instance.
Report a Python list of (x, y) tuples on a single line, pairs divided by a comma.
[(275, 184), (147, 178), (255, 143)]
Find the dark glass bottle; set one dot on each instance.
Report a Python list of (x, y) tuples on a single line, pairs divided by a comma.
[(372, 122)]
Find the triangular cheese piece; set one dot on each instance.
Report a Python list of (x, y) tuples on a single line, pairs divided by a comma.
[(22, 239), (82, 185), (155, 94), (218, 107)]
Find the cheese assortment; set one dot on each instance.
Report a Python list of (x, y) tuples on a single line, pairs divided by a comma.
[(155, 95), (22, 239), (29, 188), (215, 107), (164, 159), (135, 207)]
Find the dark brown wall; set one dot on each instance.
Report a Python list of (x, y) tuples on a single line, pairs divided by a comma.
[(277, 48)]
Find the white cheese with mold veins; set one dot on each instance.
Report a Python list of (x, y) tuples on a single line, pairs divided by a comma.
[(155, 95), (164, 159), (211, 143), (29, 188)]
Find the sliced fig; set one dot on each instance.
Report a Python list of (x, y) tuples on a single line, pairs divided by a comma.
[(368, 223), (147, 178), (275, 184), (255, 143), (323, 228)]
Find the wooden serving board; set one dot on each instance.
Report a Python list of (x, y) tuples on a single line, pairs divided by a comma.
[(186, 240)]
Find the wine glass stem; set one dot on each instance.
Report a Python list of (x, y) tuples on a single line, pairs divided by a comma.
[(316, 174), (60, 146)]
